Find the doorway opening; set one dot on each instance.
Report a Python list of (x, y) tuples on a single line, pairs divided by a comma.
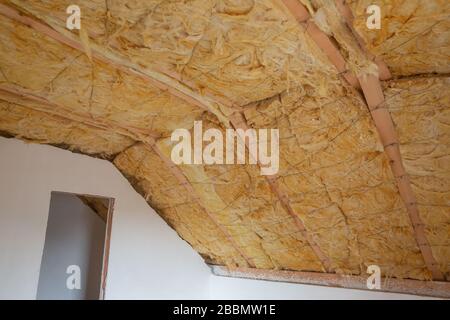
[(74, 262)]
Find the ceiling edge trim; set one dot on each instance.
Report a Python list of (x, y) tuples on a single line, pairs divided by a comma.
[(405, 286)]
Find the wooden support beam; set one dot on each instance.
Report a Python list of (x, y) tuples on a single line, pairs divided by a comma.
[(312, 241), (238, 121), (329, 48), (325, 43), (373, 93), (176, 171), (375, 100), (299, 12), (17, 95), (347, 14), (405, 286)]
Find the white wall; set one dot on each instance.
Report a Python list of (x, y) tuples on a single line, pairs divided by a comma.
[(75, 235), (147, 258), (246, 289)]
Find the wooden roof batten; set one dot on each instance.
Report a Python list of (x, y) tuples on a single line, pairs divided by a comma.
[(373, 93)]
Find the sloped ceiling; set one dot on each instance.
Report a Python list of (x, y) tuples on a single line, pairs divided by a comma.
[(140, 69)]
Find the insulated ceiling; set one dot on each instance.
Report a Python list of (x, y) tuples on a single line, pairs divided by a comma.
[(140, 69)]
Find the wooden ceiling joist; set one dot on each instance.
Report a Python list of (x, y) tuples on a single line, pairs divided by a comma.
[(299, 12), (373, 93), (375, 99), (324, 42), (176, 171), (344, 9), (332, 52), (324, 259), (238, 121)]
